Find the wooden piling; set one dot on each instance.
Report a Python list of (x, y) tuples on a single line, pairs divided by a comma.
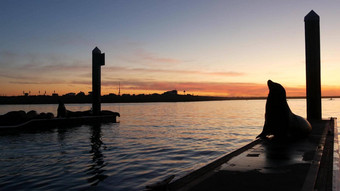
[(98, 59), (313, 79)]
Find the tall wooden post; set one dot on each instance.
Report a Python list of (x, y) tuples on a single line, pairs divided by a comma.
[(313, 80), (98, 60)]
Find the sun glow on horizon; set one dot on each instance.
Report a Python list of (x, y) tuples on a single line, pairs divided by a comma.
[(199, 89)]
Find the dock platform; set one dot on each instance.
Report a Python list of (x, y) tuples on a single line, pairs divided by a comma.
[(44, 124), (307, 164)]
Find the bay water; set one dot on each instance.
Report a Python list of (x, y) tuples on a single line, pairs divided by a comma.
[(151, 142)]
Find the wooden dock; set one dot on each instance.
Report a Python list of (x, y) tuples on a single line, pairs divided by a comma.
[(307, 164)]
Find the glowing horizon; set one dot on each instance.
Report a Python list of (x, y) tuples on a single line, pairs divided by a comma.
[(200, 89)]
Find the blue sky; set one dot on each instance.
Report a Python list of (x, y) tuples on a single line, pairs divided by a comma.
[(206, 47)]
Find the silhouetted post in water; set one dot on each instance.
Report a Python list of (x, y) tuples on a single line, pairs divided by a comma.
[(313, 81), (98, 60)]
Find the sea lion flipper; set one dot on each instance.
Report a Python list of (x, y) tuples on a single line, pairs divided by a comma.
[(264, 132), (261, 136)]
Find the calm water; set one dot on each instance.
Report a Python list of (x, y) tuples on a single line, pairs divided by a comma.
[(151, 142)]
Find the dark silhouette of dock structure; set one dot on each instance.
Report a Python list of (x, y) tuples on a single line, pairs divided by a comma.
[(98, 60), (313, 79)]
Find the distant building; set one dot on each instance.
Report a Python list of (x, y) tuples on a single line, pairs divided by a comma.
[(55, 95), (80, 94), (70, 94), (172, 92)]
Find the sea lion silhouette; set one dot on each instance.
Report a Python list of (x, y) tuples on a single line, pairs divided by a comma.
[(280, 121)]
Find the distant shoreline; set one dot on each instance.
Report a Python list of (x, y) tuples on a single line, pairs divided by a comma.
[(43, 99)]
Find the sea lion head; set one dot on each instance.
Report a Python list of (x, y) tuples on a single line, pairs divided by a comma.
[(277, 99), (276, 92)]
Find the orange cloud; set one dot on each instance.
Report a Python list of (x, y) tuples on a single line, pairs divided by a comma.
[(330, 90)]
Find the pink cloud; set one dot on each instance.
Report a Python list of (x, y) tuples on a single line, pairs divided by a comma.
[(143, 57), (154, 58), (194, 72)]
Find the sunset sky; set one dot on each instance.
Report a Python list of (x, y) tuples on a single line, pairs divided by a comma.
[(221, 48)]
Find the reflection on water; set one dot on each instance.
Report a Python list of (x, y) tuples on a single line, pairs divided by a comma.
[(151, 142), (96, 169)]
